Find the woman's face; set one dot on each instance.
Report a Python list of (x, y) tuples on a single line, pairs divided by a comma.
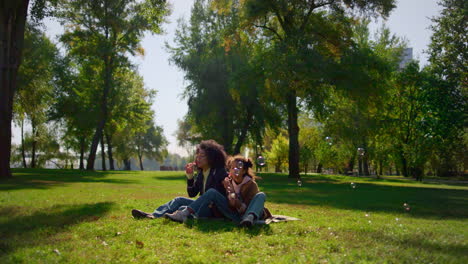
[(202, 160), (237, 171)]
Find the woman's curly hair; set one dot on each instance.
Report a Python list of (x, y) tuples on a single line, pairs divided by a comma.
[(215, 153)]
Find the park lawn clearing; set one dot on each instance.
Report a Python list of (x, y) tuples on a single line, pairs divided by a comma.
[(71, 216)]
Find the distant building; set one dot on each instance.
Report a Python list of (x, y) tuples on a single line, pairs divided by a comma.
[(406, 57)]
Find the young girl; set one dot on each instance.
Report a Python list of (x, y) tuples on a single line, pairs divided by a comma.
[(243, 202)]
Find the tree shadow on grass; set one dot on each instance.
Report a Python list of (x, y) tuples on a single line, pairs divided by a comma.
[(49, 178), (18, 230), (180, 177), (424, 202), (421, 243)]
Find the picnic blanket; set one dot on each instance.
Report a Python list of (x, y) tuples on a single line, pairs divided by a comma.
[(276, 219)]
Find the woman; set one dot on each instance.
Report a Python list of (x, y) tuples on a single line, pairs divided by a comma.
[(210, 165), (243, 203)]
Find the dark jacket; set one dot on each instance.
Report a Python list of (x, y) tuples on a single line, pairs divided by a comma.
[(215, 179)]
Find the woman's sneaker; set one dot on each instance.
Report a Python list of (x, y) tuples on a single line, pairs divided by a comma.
[(140, 214), (178, 216), (247, 221)]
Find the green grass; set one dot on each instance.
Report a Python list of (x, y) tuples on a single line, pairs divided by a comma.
[(64, 216)]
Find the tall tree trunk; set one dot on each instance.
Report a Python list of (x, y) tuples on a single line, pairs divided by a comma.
[(140, 158), (350, 165), (319, 168), (82, 150), (34, 143), (380, 168), (243, 134), (103, 153), (404, 165), (127, 164), (293, 130), (360, 168), (103, 119), (109, 151), (23, 151), (365, 165), (12, 24)]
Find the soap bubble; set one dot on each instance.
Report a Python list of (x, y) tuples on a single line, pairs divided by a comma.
[(353, 185), (299, 183), (261, 161), (406, 207), (361, 151), (329, 140)]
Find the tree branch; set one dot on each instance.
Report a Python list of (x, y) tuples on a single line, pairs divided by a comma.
[(269, 28)]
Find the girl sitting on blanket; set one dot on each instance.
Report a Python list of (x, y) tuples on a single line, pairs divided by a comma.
[(243, 202)]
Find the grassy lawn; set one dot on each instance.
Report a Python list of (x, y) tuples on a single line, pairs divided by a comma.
[(64, 216)]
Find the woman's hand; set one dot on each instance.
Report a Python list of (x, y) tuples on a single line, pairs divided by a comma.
[(189, 168)]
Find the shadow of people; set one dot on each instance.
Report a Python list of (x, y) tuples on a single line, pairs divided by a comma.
[(212, 225)]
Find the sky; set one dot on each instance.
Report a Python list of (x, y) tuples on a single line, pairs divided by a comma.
[(410, 20)]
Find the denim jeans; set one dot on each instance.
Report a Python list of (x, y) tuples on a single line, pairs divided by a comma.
[(179, 203), (221, 202)]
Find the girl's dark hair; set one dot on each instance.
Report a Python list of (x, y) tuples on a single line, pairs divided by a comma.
[(248, 164), (215, 153)]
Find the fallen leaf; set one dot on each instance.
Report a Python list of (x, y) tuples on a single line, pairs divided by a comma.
[(139, 244)]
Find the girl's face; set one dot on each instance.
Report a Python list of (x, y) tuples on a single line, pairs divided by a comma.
[(237, 171)]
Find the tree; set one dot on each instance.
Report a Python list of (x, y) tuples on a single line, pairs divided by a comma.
[(225, 91), (75, 108), (108, 30), (131, 124), (448, 58), (35, 75), (304, 35), (151, 144), (13, 20), (277, 155)]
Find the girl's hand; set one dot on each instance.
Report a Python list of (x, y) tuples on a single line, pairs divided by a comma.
[(227, 185)]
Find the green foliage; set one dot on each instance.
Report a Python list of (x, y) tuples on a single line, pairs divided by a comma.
[(277, 155), (448, 91), (102, 34), (225, 91), (35, 92)]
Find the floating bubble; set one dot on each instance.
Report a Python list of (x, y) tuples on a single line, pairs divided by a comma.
[(406, 207), (353, 185), (261, 161), (361, 151), (240, 164), (299, 183), (236, 171), (367, 215), (329, 140)]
